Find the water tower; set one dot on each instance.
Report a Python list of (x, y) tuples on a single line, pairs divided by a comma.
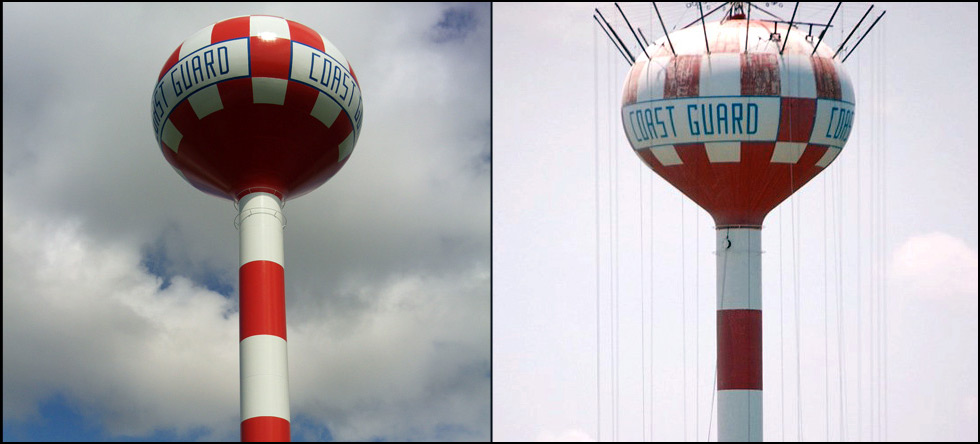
[(738, 114), (258, 110)]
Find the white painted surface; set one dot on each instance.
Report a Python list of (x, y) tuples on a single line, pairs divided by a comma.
[(264, 26), (171, 136), (260, 232), (740, 415), (346, 146), (180, 81), (651, 80), (788, 152), (206, 101), (666, 155), (739, 262), (721, 152), (269, 90), (695, 119), (326, 73), (846, 87), (325, 109), (264, 377), (833, 123), (329, 48), (828, 157), (796, 76), (721, 75), (197, 41)]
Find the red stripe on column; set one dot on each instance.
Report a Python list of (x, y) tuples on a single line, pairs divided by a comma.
[(263, 299), (265, 429), (740, 349)]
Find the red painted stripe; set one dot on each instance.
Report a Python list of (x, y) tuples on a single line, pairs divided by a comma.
[(265, 429), (234, 28), (737, 193), (236, 93), (270, 58), (649, 158), (739, 349), (263, 299), (828, 84), (183, 116), (760, 75), (302, 34), (171, 61), (246, 162), (796, 119), (300, 97), (683, 77)]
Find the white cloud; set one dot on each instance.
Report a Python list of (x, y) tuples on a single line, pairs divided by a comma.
[(932, 341), (417, 348), (83, 319), (936, 266)]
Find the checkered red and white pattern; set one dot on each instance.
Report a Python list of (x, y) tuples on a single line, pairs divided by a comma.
[(257, 103), (738, 178)]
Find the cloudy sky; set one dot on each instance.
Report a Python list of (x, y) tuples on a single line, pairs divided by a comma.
[(120, 317), (557, 83)]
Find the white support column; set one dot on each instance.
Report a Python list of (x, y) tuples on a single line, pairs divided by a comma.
[(264, 376), (739, 334)]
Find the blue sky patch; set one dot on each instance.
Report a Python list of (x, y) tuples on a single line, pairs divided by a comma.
[(61, 421), (304, 428), (456, 24), (156, 262)]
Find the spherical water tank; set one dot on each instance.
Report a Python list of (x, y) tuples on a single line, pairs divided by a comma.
[(257, 103), (734, 124)]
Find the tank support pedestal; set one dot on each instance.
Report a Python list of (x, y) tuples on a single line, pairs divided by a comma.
[(262, 303), (739, 334)]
